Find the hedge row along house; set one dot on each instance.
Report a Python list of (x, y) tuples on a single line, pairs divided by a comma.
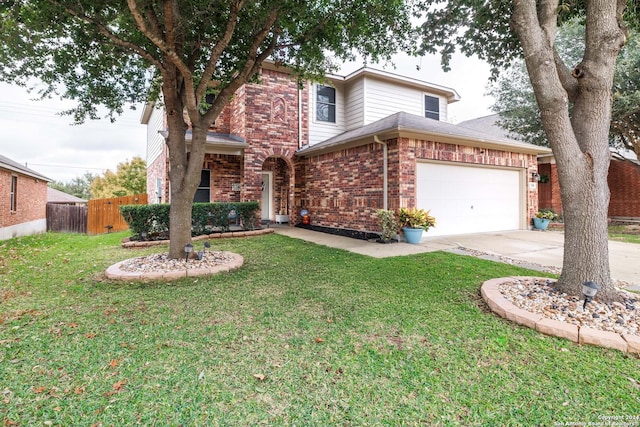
[(353, 144)]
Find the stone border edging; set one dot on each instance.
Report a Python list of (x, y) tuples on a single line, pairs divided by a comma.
[(139, 244), (115, 273), (579, 334)]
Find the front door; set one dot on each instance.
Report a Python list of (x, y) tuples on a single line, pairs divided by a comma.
[(266, 206)]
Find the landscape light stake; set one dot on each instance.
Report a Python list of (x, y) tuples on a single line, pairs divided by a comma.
[(188, 248), (589, 289)]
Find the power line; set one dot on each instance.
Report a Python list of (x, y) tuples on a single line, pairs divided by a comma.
[(63, 166)]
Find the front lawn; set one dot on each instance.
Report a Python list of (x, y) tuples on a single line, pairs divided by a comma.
[(301, 335)]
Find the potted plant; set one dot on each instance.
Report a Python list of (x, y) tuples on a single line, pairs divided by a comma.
[(543, 217), (388, 224), (414, 222)]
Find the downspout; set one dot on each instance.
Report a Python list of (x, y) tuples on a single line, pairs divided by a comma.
[(385, 172), (299, 117)]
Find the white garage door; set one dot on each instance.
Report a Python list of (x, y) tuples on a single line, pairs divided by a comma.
[(466, 199)]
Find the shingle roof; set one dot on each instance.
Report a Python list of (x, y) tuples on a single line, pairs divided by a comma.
[(7, 163), (57, 196), (487, 124), (405, 123)]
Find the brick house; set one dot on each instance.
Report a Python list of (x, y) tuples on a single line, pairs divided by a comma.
[(623, 180), (354, 144), (23, 200)]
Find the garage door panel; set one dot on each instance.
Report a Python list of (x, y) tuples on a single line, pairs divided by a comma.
[(466, 199)]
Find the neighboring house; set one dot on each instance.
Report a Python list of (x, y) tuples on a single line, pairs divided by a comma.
[(623, 178), (61, 198), (23, 200), (357, 143)]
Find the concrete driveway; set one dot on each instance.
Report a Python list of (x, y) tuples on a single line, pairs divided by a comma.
[(531, 248)]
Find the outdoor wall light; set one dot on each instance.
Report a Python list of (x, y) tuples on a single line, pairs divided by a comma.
[(143, 235), (188, 248), (535, 176), (589, 289)]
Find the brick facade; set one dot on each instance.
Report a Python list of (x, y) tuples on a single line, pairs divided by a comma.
[(31, 201), (624, 184), (343, 189), (272, 117)]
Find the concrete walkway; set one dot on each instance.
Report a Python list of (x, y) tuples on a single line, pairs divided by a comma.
[(532, 249)]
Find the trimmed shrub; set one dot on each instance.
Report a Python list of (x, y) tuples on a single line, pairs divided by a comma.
[(205, 218)]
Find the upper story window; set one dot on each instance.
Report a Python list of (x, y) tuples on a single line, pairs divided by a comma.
[(432, 107), (14, 192), (325, 104)]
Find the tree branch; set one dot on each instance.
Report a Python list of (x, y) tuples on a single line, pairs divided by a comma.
[(102, 29), (565, 75), (220, 46), (253, 63), (548, 18), (168, 51)]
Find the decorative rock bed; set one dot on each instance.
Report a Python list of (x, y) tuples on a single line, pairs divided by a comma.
[(535, 303), (160, 267)]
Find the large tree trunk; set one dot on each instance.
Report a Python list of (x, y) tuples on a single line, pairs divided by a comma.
[(580, 142), (184, 168)]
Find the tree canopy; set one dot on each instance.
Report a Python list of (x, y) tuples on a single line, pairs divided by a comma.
[(130, 178), (116, 53), (516, 103)]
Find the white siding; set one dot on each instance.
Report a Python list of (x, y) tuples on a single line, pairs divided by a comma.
[(321, 131), (355, 104), (384, 99), (155, 141), (444, 117)]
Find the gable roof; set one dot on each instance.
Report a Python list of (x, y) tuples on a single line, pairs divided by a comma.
[(450, 94), (57, 196), (7, 163), (411, 126)]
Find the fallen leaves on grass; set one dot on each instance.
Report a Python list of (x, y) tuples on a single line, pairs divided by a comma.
[(116, 388), (260, 377)]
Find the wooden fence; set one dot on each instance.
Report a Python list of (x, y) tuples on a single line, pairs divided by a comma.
[(66, 218), (104, 214)]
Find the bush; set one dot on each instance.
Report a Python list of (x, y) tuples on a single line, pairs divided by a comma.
[(416, 218), (546, 214), (205, 218), (388, 224)]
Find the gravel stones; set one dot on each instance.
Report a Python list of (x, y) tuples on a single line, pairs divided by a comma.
[(162, 263), (540, 296)]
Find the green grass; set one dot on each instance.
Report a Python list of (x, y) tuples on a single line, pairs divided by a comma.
[(623, 234), (301, 335)]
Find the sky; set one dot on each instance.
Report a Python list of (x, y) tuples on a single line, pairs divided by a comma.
[(34, 134)]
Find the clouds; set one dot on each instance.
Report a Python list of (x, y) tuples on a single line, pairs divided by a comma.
[(32, 133)]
